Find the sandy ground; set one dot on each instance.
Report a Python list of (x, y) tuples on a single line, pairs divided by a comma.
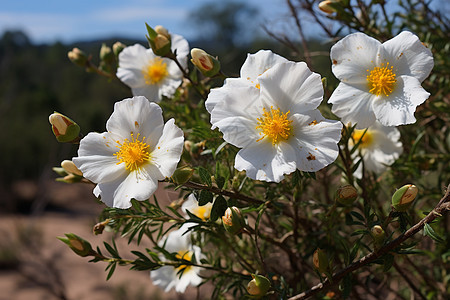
[(36, 265)]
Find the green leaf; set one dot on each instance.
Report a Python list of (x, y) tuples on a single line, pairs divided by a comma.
[(357, 215), (429, 231), (218, 209), (220, 181), (112, 268), (204, 197), (205, 176)]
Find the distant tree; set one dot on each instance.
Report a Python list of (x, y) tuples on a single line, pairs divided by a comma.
[(226, 22)]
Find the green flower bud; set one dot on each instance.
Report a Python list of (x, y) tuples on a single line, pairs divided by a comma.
[(78, 245), (346, 194), (160, 42), (77, 57), (64, 129), (320, 261), (106, 54), (378, 235), (208, 65), (326, 7), (258, 286), (182, 175), (60, 171), (117, 48), (404, 197), (233, 220)]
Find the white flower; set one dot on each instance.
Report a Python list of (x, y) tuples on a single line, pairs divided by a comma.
[(150, 75), (191, 204), (380, 146), (379, 81), (278, 126), (254, 66), (137, 150), (168, 277)]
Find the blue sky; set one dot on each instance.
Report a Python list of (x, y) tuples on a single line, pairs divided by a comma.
[(67, 21)]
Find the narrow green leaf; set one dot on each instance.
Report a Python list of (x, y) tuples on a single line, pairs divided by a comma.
[(429, 231), (205, 176)]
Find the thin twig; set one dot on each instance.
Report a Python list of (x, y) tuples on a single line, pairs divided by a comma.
[(441, 207)]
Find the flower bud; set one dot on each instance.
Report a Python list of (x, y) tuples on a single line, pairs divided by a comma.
[(404, 197), (77, 244), (326, 7), (162, 31), (99, 227), (182, 175), (346, 194), (160, 42), (378, 235), (106, 54), (258, 286), (77, 57), (117, 48), (208, 65), (233, 220), (70, 167), (64, 129), (320, 260)]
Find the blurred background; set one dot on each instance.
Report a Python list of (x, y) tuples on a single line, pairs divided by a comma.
[(37, 78)]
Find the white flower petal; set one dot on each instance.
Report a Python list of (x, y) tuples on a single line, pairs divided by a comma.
[(149, 91), (409, 55), (264, 161), (118, 193), (256, 64), (353, 55), (291, 87), (399, 107), (384, 149), (315, 141), (236, 116), (132, 59), (181, 46), (138, 116), (167, 151), (216, 94), (353, 103), (96, 158), (164, 277)]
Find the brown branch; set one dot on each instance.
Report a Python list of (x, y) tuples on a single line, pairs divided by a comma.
[(408, 280), (300, 32), (216, 190), (441, 207)]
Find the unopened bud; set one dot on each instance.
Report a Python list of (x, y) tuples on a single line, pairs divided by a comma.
[(346, 194), (77, 57), (326, 7), (182, 175), (106, 54), (378, 235), (70, 167), (77, 244), (233, 220), (162, 31), (404, 197), (258, 286), (117, 48), (320, 260), (99, 227), (208, 65), (160, 42), (64, 129)]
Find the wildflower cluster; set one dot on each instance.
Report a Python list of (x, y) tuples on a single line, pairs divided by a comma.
[(249, 157)]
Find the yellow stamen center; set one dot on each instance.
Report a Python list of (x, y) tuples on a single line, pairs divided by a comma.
[(275, 125), (186, 255), (203, 212), (155, 71), (381, 80), (365, 138), (134, 153)]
